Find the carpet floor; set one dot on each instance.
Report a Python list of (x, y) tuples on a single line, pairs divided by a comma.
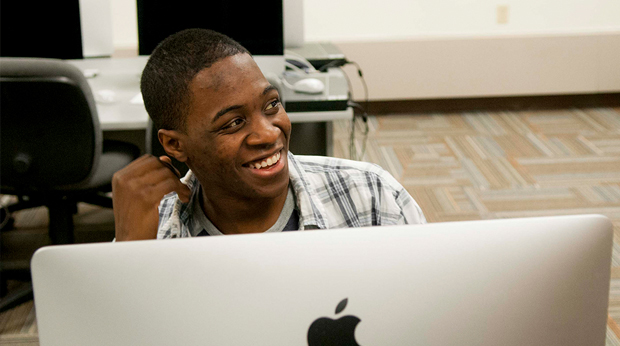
[(461, 166)]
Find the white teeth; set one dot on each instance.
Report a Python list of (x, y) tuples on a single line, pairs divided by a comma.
[(268, 162)]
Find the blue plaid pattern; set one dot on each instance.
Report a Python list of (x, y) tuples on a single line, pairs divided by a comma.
[(329, 192)]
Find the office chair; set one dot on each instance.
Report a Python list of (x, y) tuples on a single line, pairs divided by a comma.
[(52, 149)]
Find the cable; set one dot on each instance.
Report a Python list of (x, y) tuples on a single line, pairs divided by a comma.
[(334, 63), (352, 150), (295, 68), (349, 85), (353, 154), (343, 62), (362, 110), (287, 84), (359, 72), (294, 57)]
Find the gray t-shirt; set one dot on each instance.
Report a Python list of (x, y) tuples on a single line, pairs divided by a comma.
[(287, 221)]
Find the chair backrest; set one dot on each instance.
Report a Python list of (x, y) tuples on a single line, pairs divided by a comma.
[(50, 134)]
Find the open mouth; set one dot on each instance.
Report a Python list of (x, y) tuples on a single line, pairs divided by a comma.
[(265, 163)]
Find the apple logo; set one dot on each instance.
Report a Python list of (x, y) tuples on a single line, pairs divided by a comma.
[(325, 331)]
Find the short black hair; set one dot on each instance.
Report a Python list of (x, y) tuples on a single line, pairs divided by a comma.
[(171, 68)]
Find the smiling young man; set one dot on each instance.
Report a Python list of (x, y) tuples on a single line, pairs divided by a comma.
[(218, 114)]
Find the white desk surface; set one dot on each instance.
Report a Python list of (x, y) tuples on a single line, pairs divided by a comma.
[(122, 78)]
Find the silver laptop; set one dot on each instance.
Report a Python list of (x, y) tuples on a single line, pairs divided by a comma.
[(536, 281)]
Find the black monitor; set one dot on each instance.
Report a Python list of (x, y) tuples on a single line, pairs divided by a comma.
[(40, 29), (257, 25)]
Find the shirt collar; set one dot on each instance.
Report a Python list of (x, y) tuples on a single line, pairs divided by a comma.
[(177, 212), (311, 210), (199, 222)]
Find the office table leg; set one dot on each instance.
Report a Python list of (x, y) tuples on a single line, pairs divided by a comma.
[(312, 138)]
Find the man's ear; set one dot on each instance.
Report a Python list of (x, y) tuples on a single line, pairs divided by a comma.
[(174, 143)]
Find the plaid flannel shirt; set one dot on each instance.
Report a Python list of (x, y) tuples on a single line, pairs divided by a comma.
[(329, 193)]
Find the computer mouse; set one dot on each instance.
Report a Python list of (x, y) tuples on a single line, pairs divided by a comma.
[(91, 72), (309, 86), (105, 96)]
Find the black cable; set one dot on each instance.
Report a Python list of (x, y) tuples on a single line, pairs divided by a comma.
[(352, 136), (340, 63), (359, 72), (349, 85), (352, 151), (362, 109), (357, 106), (334, 63)]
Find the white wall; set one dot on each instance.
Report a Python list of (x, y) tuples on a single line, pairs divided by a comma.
[(386, 20), (417, 49), (96, 25), (487, 66), (125, 24), (411, 49)]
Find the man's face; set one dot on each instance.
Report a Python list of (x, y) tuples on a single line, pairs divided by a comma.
[(236, 124)]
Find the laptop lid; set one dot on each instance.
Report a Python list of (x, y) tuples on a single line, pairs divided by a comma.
[(536, 281)]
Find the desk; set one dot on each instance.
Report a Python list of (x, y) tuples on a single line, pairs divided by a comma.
[(121, 77)]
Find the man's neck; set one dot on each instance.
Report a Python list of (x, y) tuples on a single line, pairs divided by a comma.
[(239, 215)]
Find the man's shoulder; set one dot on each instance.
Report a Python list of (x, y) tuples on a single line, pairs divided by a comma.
[(354, 193), (321, 166)]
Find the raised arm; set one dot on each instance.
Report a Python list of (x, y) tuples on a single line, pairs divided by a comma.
[(137, 191)]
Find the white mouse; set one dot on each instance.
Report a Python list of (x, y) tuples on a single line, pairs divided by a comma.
[(309, 86), (105, 96)]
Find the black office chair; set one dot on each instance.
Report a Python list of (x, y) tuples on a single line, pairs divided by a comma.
[(52, 148)]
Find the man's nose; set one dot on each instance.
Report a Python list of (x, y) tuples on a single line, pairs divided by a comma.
[(264, 132)]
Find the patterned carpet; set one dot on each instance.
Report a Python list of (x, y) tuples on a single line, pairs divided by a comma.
[(477, 165), (470, 166)]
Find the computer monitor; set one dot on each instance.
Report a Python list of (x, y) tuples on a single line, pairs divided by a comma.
[(257, 25), (536, 281), (71, 29)]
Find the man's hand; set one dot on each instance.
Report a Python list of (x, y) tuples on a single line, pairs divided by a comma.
[(137, 190)]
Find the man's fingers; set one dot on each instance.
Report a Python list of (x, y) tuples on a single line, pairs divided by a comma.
[(148, 169), (184, 192), (140, 166), (138, 190), (165, 160), (143, 179), (169, 185)]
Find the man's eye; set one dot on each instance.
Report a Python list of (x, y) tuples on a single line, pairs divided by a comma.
[(233, 123), (273, 104)]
